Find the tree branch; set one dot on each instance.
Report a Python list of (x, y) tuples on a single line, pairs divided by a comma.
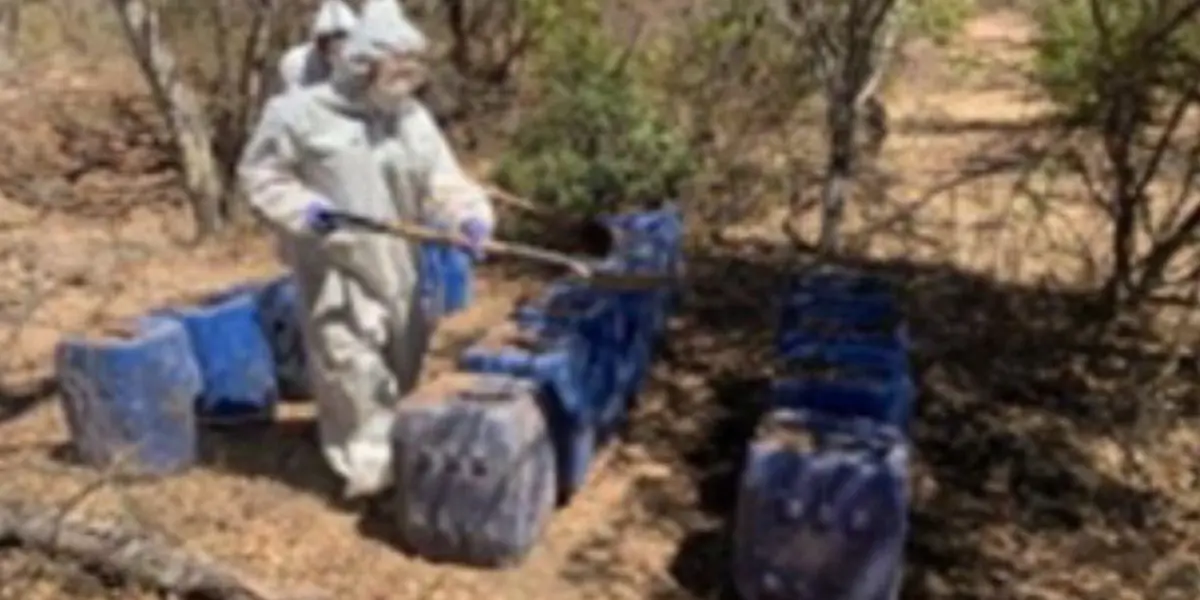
[(137, 555)]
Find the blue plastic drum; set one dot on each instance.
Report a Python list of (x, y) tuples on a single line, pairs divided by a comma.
[(458, 270), (432, 287), (824, 320), (234, 356), (848, 380), (652, 237), (598, 319), (128, 400), (556, 363), (477, 469), (822, 510), (279, 312), (832, 281)]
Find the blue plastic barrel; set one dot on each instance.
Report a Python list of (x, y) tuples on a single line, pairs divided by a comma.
[(884, 397), (598, 319), (826, 320), (432, 286), (234, 356), (822, 510), (841, 282), (476, 463), (652, 238), (279, 312), (856, 365), (556, 362), (457, 279), (128, 400)]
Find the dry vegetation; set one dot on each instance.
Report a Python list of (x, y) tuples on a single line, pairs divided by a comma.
[(1052, 464)]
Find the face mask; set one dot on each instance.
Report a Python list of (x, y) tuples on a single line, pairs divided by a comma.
[(392, 95), (395, 83)]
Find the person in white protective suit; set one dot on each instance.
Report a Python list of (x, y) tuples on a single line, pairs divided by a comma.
[(361, 143), (312, 62)]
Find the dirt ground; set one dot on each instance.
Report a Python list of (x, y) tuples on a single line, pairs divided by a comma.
[(1045, 470)]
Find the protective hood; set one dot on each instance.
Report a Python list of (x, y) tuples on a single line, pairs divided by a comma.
[(334, 16), (383, 29)]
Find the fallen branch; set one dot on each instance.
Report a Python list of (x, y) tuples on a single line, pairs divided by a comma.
[(138, 556)]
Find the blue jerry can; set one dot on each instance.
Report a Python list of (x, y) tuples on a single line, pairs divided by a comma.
[(848, 379), (642, 315), (235, 357), (432, 282), (839, 282), (457, 279), (652, 241), (822, 510), (555, 361), (129, 399), (475, 468), (597, 317), (279, 312), (821, 319)]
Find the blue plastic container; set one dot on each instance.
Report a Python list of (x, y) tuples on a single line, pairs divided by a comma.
[(642, 318), (432, 286), (650, 243), (477, 469), (598, 319), (279, 313), (662, 227), (457, 279), (882, 370), (234, 356), (557, 362), (882, 394), (865, 296), (824, 320), (842, 282), (129, 400), (822, 510)]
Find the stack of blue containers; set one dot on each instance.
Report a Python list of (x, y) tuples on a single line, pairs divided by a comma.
[(823, 504), (515, 431), (586, 352)]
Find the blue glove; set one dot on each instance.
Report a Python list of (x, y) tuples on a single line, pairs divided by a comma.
[(476, 232), (318, 217)]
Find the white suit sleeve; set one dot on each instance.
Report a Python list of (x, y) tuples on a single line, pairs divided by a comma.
[(267, 173), (291, 68), (453, 196)]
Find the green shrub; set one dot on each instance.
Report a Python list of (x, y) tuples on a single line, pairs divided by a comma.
[(1079, 67), (594, 139)]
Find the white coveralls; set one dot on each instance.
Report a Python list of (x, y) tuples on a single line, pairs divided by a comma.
[(303, 65), (364, 326)]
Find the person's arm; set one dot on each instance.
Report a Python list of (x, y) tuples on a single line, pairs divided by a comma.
[(453, 197), (291, 69), (267, 173)]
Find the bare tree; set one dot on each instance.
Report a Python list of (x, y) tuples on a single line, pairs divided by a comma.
[(488, 39), (230, 46), (851, 43), (1128, 74), (10, 29), (182, 109)]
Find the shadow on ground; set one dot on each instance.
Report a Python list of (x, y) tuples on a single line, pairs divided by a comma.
[(1014, 388), (286, 450), (1015, 394), (16, 402)]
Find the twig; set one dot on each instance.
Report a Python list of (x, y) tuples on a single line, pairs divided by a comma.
[(137, 555)]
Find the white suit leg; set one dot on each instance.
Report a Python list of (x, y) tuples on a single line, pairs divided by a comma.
[(356, 389)]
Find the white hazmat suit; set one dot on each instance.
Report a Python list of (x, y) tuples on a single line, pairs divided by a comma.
[(303, 65), (337, 144)]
